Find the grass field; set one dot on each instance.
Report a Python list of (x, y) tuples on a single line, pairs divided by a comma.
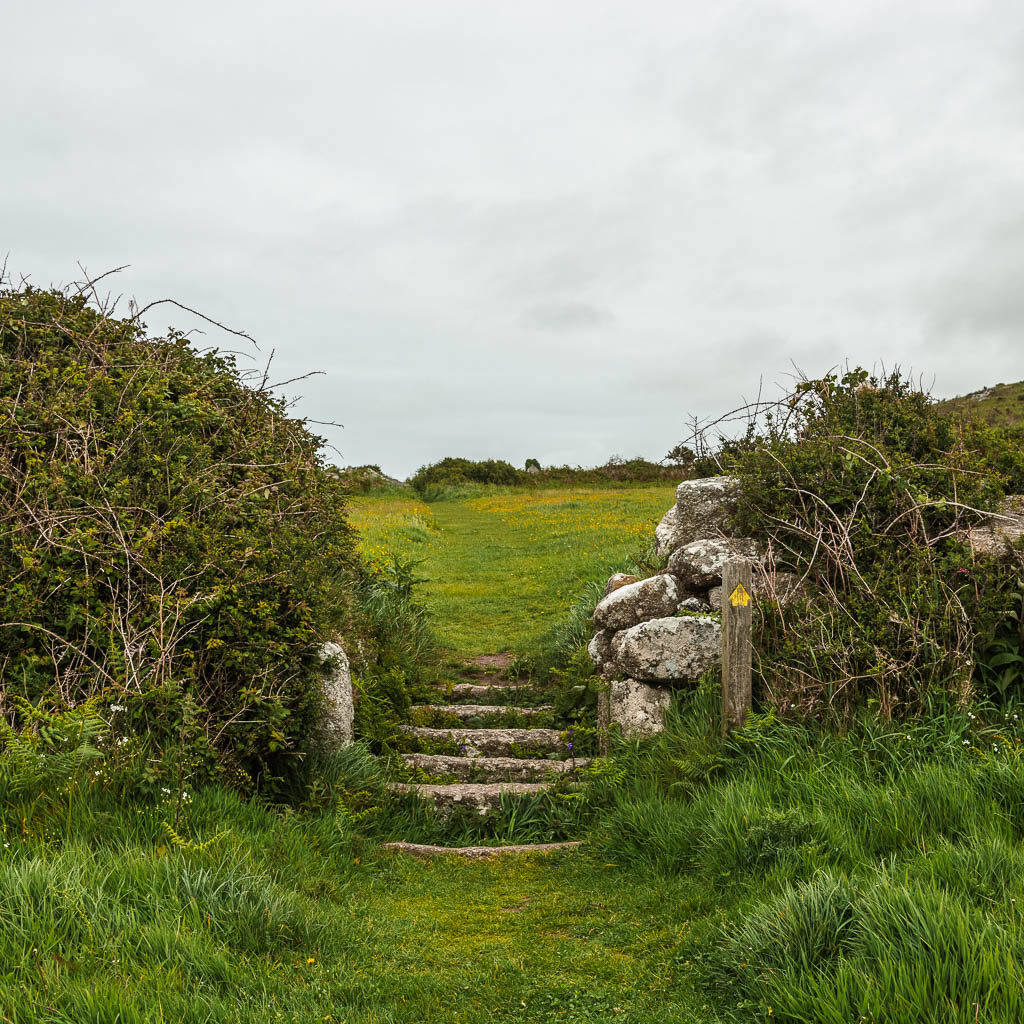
[(1001, 405), (787, 873), (504, 566)]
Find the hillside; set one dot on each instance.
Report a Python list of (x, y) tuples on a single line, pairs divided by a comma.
[(1001, 405)]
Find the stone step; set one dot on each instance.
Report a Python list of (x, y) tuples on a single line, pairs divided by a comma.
[(424, 850), (493, 742), (478, 710), (482, 797), (464, 690), (493, 769)]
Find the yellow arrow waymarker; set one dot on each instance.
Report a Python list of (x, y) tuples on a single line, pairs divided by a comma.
[(739, 597)]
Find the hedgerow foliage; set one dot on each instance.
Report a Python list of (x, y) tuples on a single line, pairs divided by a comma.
[(866, 493), (169, 540), (431, 481)]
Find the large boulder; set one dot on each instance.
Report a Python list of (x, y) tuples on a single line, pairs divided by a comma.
[(638, 708), (1000, 533), (704, 508), (666, 533), (647, 599), (336, 726), (601, 653), (699, 564), (616, 580), (669, 649)]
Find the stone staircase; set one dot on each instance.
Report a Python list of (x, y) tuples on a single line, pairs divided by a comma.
[(477, 755)]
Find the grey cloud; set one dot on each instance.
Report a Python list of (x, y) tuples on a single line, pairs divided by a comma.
[(534, 230), (567, 316)]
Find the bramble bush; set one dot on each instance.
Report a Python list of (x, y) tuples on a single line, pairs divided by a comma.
[(169, 542), (866, 492)]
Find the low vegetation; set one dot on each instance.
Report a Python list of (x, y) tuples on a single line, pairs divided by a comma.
[(457, 478), (867, 493), (503, 567), (173, 848), (1001, 405)]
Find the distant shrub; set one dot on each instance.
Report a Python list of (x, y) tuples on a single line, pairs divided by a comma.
[(449, 472), (168, 538), (445, 478)]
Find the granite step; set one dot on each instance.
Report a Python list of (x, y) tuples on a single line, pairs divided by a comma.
[(493, 742), (479, 710), (494, 769), (425, 850), (482, 797)]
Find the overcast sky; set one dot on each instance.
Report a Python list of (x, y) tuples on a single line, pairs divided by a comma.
[(549, 230)]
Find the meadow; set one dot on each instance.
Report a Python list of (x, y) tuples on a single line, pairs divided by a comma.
[(790, 872), (503, 565)]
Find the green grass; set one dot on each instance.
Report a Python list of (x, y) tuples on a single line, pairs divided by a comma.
[(504, 565), (285, 917), (784, 874), (788, 873), (1002, 405)]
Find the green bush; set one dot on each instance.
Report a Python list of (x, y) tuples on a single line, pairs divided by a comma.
[(169, 540), (866, 491)]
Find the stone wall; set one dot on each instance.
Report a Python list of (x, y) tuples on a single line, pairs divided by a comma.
[(643, 646)]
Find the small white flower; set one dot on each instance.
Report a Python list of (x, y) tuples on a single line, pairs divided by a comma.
[(967, 743), (118, 707)]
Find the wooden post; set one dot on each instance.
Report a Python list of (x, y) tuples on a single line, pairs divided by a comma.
[(737, 649)]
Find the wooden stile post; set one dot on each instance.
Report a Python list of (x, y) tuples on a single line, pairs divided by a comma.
[(737, 647)]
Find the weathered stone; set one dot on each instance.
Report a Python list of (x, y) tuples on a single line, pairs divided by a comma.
[(666, 533), (694, 604), (668, 649), (638, 708), (704, 508), (481, 797), (997, 536), (492, 742), (616, 580), (715, 598), (636, 602), (336, 725), (493, 769), (699, 564), (601, 653)]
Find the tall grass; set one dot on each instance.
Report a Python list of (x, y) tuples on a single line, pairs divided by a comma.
[(871, 876)]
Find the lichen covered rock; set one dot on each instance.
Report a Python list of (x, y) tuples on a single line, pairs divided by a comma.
[(647, 599), (336, 725), (699, 564), (616, 580), (601, 654), (668, 649), (704, 508), (638, 708)]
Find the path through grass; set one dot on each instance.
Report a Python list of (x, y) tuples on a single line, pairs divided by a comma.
[(504, 566)]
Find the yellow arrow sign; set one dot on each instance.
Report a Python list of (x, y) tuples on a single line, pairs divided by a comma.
[(739, 597)]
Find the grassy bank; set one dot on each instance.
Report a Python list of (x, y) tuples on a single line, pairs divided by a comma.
[(785, 874), (504, 565)]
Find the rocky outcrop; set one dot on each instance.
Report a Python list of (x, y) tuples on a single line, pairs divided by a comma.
[(704, 509), (616, 580), (647, 599), (643, 644), (669, 650), (601, 653), (336, 725), (699, 564), (638, 708), (1000, 532), (666, 538)]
